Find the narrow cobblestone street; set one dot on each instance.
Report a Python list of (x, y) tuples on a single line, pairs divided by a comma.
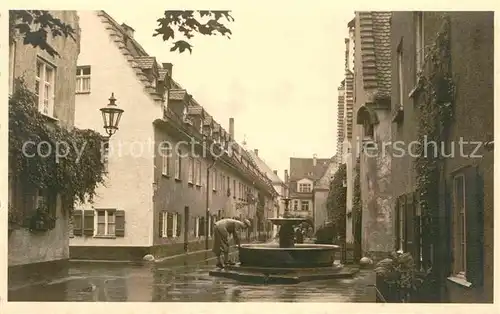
[(163, 282)]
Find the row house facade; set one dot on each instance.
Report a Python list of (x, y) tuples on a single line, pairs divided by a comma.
[(308, 190), (51, 79), (170, 166), (460, 251), (279, 186)]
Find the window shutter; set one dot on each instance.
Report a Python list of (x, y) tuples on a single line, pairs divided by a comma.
[(202, 226), (88, 222), (409, 225), (179, 224), (474, 226), (170, 224), (77, 223), (160, 225), (120, 223)]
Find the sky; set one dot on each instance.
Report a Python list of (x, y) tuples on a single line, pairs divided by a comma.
[(277, 76)]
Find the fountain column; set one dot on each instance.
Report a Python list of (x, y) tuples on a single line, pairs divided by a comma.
[(286, 232)]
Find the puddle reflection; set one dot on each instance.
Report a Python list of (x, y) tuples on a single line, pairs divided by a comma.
[(182, 283)]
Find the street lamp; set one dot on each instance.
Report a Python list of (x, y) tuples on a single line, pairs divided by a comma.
[(111, 115)]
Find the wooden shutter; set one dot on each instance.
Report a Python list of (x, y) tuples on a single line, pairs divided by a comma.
[(474, 226), (202, 226), (409, 225), (170, 224), (120, 223), (179, 225), (160, 225), (77, 222), (88, 222)]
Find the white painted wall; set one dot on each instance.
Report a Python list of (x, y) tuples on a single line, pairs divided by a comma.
[(130, 179)]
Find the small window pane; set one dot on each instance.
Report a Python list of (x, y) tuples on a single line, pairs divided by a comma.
[(111, 229), (100, 228), (101, 217), (111, 217), (86, 71)]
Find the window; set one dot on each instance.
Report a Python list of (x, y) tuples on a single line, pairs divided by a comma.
[(221, 182), (178, 165), (44, 87), (234, 188), (419, 38), (165, 157), (214, 180), (198, 172), (105, 223), (170, 225), (295, 205), (191, 170), (199, 226), (83, 79), (304, 187), (400, 73), (228, 185), (460, 230), (304, 205)]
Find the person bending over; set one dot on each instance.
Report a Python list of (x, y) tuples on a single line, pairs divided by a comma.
[(222, 229)]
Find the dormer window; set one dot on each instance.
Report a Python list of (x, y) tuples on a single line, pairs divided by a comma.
[(304, 187)]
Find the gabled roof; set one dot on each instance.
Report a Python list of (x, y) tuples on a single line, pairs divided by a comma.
[(304, 168), (376, 51), (131, 50), (145, 62), (263, 167)]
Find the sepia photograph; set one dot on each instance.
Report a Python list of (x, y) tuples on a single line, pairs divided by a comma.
[(294, 154)]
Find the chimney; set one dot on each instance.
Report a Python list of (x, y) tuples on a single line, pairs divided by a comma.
[(314, 160), (168, 67), (275, 172), (129, 30), (256, 151), (286, 176), (231, 128)]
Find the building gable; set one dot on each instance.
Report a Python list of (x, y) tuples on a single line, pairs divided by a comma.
[(136, 56)]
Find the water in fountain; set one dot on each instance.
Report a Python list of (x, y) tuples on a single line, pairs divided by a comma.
[(287, 253)]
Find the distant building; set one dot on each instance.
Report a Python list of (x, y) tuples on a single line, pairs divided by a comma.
[(154, 199), (304, 184), (52, 79)]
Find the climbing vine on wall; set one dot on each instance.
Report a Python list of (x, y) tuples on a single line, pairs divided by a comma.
[(436, 95), (34, 145), (336, 201)]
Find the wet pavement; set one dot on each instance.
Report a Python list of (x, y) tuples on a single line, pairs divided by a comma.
[(169, 281)]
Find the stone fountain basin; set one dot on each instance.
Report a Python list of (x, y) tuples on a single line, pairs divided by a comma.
[(299, 256)]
